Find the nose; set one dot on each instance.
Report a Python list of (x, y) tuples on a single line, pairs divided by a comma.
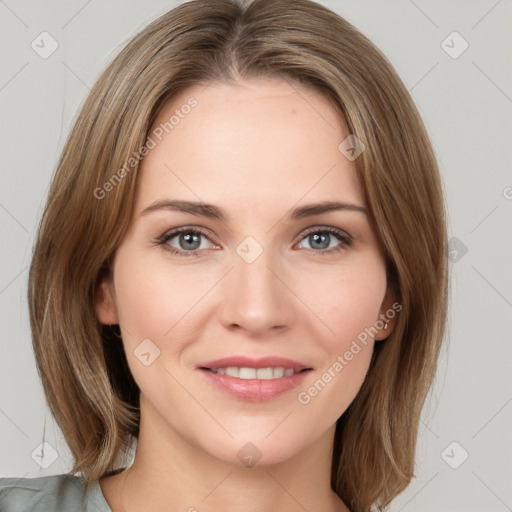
[(256, 298)]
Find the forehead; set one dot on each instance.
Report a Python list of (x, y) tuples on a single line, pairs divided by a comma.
[(254, 142)]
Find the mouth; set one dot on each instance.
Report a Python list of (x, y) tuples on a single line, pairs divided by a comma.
[(247, 373), (247, 364), (254, 380)]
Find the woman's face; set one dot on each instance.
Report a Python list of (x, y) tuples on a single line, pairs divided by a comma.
[(272, 278)]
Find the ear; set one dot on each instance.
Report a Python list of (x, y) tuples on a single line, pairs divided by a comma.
[(105, 305), (387, 315)]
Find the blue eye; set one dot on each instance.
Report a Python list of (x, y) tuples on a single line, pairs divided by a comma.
[(322, 238), (189, 241)]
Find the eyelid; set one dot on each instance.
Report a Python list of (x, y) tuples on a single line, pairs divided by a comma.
[(329, 229), (171, 233)]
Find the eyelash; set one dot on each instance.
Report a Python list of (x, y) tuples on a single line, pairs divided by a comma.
[(346, 240)]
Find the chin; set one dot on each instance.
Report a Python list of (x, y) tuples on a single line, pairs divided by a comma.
[(254, 451)]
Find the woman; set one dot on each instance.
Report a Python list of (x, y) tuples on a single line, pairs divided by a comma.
[(241, 270)]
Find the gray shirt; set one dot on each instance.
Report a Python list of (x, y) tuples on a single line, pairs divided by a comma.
[(57, 493)]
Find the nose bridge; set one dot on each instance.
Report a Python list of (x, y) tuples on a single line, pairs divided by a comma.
[(254, 297)]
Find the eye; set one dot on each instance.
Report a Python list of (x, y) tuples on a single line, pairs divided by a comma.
[(327, 240), (184, 241)]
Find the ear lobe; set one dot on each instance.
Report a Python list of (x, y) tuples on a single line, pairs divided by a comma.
[(105, 306)]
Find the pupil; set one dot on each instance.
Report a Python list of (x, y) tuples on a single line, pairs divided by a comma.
[(190, 239), (323, 238)]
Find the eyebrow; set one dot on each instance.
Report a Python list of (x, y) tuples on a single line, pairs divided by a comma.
[(215, 212)]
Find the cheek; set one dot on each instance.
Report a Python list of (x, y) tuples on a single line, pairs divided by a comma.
[(153, 298), (160, 310), (346, 300), (348, 303), (151, 307)]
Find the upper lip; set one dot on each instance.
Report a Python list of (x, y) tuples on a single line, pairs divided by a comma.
[(250, 362)]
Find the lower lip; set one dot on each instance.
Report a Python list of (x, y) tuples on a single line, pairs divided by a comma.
[(255, 390)]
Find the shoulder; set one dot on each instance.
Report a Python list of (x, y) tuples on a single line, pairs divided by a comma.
[(43, 494)]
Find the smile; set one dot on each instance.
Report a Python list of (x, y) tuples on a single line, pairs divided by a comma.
[(255, 373)]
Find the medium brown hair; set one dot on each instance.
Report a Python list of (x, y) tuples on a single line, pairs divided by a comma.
[(83, 368)]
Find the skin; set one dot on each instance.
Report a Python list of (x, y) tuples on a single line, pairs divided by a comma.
[(256, 149)]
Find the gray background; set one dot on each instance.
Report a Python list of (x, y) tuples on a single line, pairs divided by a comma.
[(466, 105)]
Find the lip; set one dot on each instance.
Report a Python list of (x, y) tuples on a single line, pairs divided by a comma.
[(254, 390), (249, 362)]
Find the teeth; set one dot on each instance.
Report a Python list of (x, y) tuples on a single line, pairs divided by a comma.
[(255, 373), (263, 373), (246, 373), (232, 371)]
